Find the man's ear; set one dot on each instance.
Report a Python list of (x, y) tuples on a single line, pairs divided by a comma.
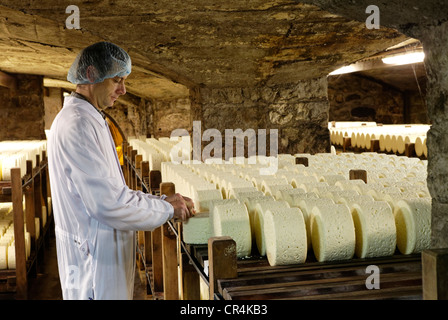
[(91, 74)]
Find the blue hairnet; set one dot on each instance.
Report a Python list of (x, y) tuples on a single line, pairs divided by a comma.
[(106, 60)]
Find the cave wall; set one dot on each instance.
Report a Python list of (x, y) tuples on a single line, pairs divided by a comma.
[(299, 111), (356, 98), (22, 112)]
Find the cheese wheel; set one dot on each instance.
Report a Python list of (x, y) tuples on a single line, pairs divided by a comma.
[(375, 229), (260, 209), (233, 183), (27, 244), (331, 179), (296, 198), (271, 190), (233, 220), (201, 199), (250, 203), (360, 200), (11, 257), (309, 186), (332, 232), (235, 193), (349, 184), (3, 257), (393, 197), (297, 180), (336, 195), (306, 206), (285, 236), (286, 194), (413, 223), (271, 181), (197, 229), (419, 142)]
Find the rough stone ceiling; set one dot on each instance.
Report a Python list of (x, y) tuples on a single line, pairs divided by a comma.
[(178, 45)]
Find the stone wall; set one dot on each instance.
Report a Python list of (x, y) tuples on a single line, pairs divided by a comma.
[(53, 100), (298, 111), (356, 98), (131, 115), (170, 115), (436, 63), (22, 112)]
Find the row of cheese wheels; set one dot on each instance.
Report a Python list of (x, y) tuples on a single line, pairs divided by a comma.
[(392, 138), (296, 186), (14, 154), (7, 240), (156, 151)]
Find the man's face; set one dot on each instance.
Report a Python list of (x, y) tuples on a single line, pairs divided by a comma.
[(109, 90)]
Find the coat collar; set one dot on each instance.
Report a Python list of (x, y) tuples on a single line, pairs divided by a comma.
[(87, 106)]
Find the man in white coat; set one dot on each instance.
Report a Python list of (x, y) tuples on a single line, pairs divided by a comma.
[(96, 214)]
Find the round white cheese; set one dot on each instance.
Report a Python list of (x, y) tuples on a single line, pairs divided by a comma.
[(201, 199), (233, 220), (306, 206), (375, 229), (271, 190), (260, 208), (11, 257), (3, 257), (413, 223), (197, 229), (332, 232), (285, 236)]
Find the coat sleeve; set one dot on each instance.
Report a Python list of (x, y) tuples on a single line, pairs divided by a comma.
[(105, 197)]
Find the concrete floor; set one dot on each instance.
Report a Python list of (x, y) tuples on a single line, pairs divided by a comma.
[(46, 285)]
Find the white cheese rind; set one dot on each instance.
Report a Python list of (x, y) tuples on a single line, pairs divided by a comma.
[(332, 232), (285, 236), (260, 209), (413, 223), (197, 229), (375, 229), (233, 220), (201, 199), (307, 205)]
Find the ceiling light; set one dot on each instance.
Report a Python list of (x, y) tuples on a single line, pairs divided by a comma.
[(345, 69), (406, 58)]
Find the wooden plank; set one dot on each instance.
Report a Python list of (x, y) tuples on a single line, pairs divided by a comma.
[(222, 261), (155, 180), (19, 234), (358, 174), (170, 273), (313, 274), (189, 280), (304, 288), (157, 260), (302, 160), (435, 274), (169, 249)]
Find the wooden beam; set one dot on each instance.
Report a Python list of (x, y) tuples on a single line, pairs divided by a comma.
[(19, 234), (222, 261), (9, 81), (435, 274)]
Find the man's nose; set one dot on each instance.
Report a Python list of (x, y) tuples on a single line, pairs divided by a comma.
[(121, 89)]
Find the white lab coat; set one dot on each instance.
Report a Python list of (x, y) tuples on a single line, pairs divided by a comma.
[(96, 214)]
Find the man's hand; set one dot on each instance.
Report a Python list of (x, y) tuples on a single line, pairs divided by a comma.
[(183, 206)]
